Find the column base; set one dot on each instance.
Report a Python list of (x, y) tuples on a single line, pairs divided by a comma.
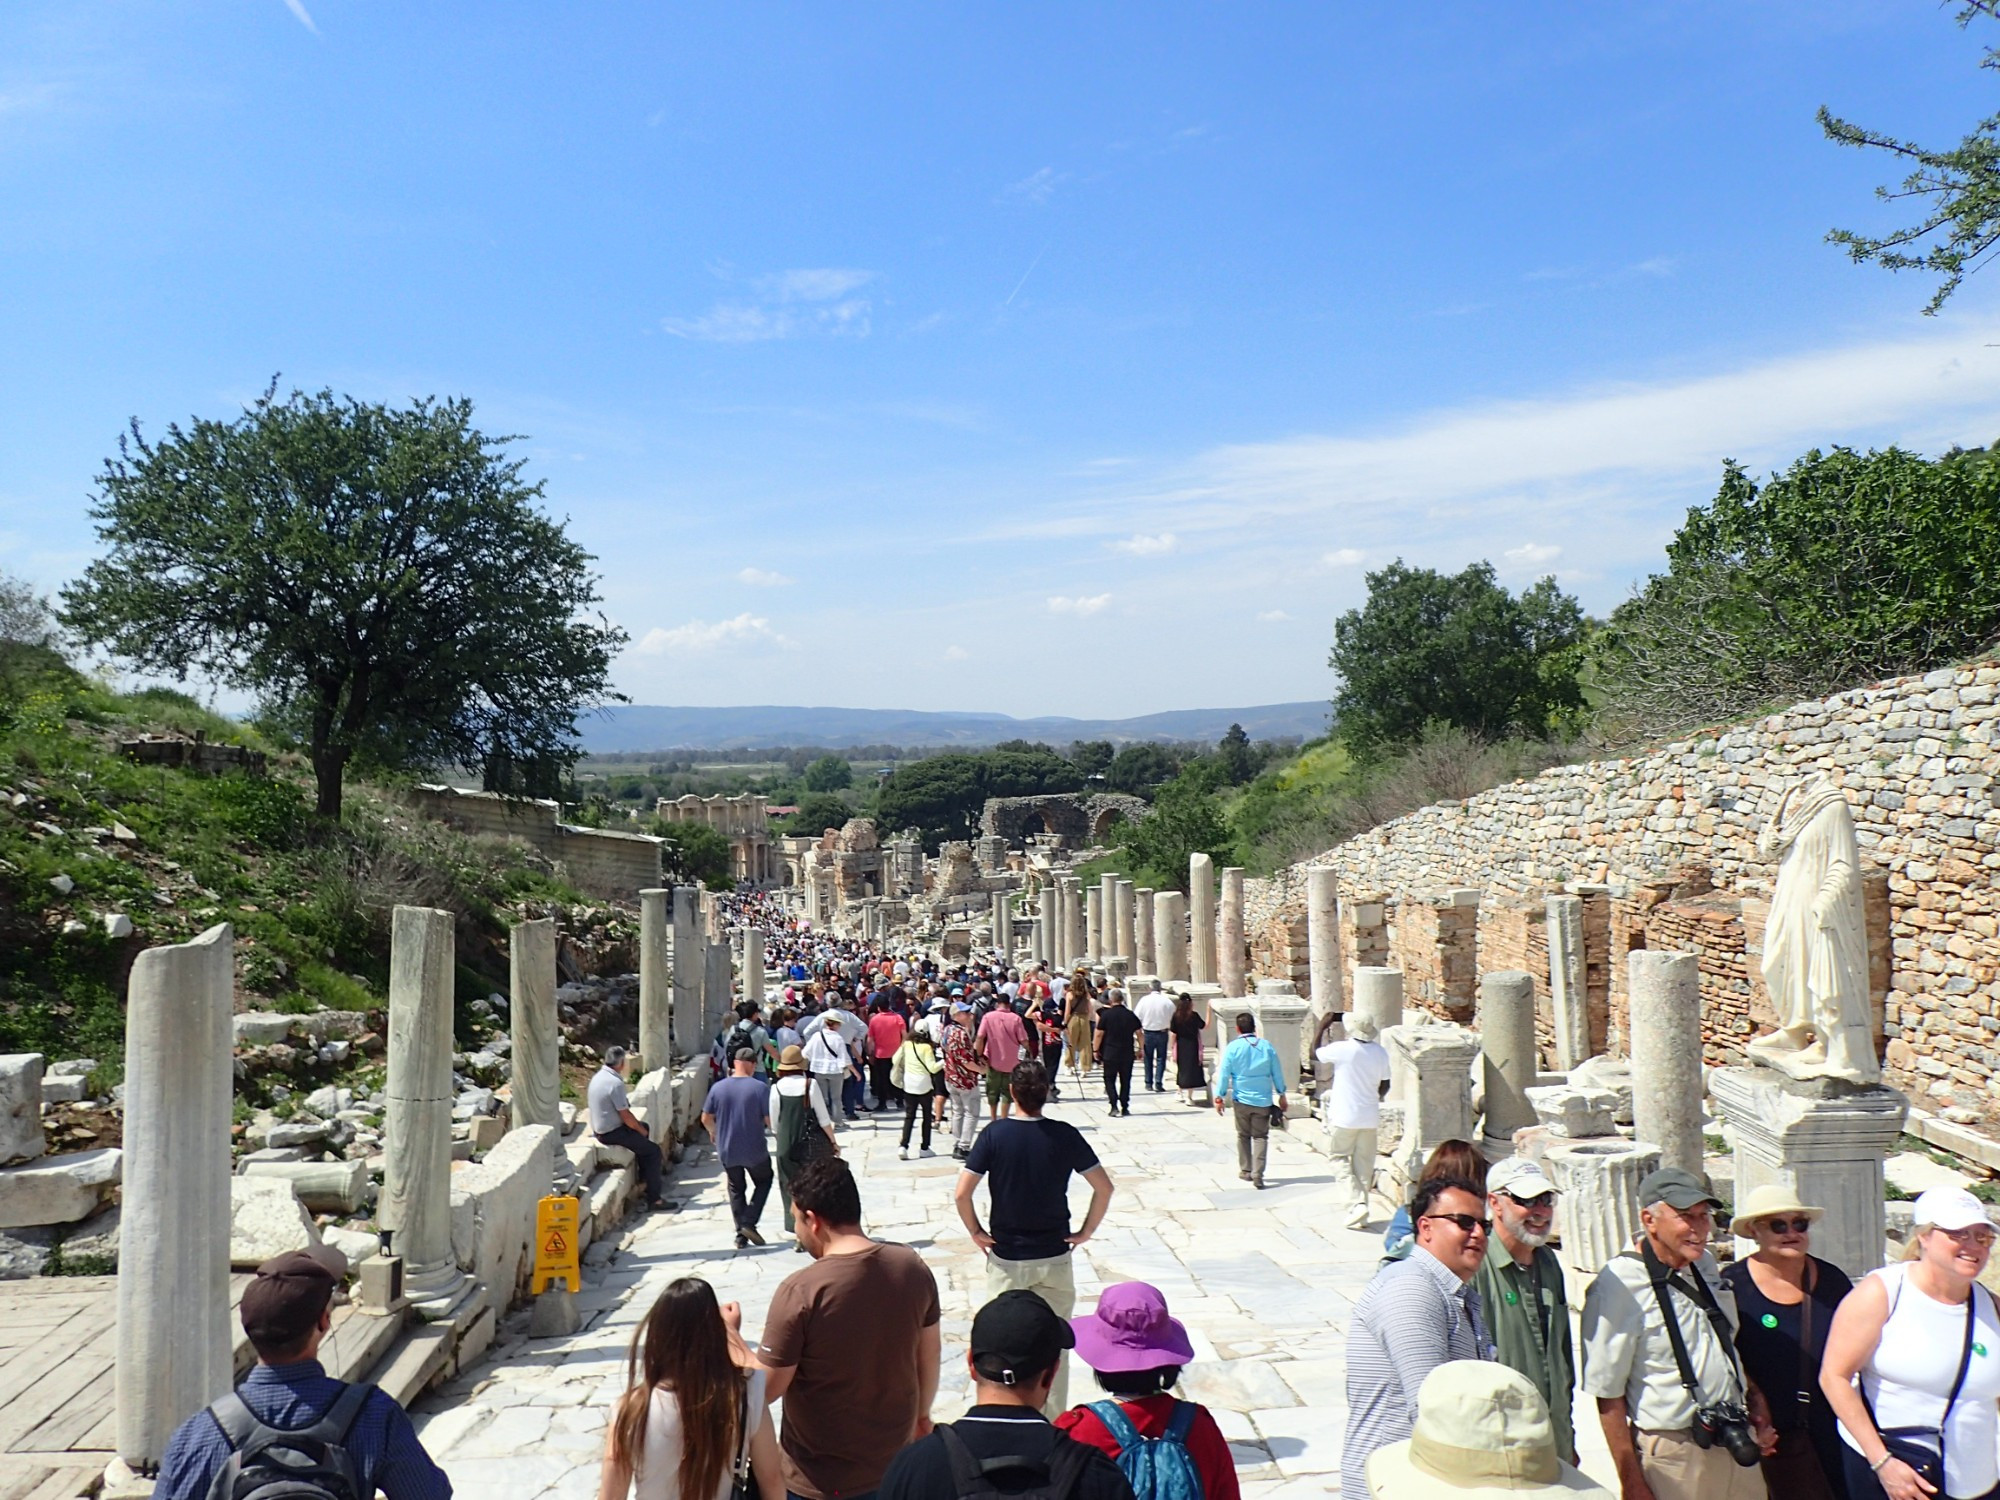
[(436, 1292)]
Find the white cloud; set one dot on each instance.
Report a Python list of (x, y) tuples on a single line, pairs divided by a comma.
[(956, 653), (788, 304), (1273, 616), (1063, 604), (696, 636), (821, 284), (1036, 188), (1531, 554), (1143, 545), (298, 8), (1342, 557), (763, 578)]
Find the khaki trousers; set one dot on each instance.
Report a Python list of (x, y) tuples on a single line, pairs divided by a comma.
[(1677, 1470), (1353, 1153), (1054, 1281)]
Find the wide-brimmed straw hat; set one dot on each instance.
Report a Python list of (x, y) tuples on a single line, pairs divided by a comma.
[(1767, 1200), (1483, 1431), (792, 1060)]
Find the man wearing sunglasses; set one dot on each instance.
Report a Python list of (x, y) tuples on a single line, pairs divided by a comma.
[(1417, 1314), (1520, 1285)]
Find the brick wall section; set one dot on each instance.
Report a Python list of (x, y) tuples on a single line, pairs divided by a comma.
[(599, 860), (1919, 758), (1433, 939)]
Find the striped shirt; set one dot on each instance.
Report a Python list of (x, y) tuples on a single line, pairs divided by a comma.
[(1415, 1316)]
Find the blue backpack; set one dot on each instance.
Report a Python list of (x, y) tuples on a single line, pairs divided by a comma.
[(1158, 1468)]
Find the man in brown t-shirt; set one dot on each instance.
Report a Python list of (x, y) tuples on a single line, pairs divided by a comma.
[(851, 1343)]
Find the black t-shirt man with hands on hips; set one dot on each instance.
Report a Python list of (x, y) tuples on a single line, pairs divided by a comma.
[(1027, 1162)]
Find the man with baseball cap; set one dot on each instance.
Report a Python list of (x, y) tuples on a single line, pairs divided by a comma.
[(1018, 1342), (1520, 1285), (1651, 1383), (287, 1311)]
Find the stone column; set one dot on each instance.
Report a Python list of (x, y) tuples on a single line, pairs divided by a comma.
[(1598, 1212), (1093, 925), (1061, 935), (1432, 1067), (1232, 960), (1170, 949), (1201, 919), (1107, 919), (1281, 1017), (1507, 1043), (718, 997), (536, 1028), (753, 964), (1665, 992), (689, 961), (416, 1143), (1123, 926), (1045, 924), (174, 1336), (1323, 945), (1143, 959), (1567, 995), (655, 981), (1076, 923), (1824, 1139), (1378, 995)]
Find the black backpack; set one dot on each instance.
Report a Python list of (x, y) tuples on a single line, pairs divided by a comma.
[(305, 1463), (972, 1478)]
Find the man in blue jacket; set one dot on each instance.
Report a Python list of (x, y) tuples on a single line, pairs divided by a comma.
[(1253, 1080)]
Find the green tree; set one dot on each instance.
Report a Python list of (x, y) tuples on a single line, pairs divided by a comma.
[(1238, 762), (696, 852), (829, 773), (1458, 650), (942, 796), (1137, 769), (379, 577), (1184, 821), (1959, 188), (819, 811), (1845, 568), (1091, 757)]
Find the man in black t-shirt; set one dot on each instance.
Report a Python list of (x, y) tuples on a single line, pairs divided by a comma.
[(1017, 1348), (1027, 1163), (1117, 1048)]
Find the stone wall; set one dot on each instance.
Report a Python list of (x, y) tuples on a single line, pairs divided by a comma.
[(602, 861), (1079, 820), (1663, 849)]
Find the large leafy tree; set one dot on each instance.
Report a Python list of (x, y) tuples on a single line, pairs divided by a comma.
[(830, 773), (379, 577), (1137, 769), (1185, 820), (1845, 568), (1958, 188), (942, 796), (1458, 649)]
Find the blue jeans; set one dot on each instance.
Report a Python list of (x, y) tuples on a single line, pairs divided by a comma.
[(850, 1096), (1156, 1059)]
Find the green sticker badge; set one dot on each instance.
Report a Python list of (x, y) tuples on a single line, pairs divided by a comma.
[(1514, 1297), (1980, 1350), (1769, 1320)]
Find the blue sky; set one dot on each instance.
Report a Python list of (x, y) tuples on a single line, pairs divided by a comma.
[(1039, 358)]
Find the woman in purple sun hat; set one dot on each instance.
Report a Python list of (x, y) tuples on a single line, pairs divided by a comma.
[(1137, 1350)]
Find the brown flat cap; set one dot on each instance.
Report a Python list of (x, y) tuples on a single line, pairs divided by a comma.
[(289, 1292)]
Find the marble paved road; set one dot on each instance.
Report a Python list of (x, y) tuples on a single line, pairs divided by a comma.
[(1264, 1281)]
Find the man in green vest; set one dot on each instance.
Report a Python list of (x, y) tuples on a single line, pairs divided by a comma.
[(1520, 1286)]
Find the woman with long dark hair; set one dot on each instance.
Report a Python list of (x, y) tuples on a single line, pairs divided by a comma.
[(1188, 1030), (691, 1415)]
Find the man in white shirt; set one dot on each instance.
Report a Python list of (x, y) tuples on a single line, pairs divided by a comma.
[(1155, 1011), (1351, 1111), (613, 1123)]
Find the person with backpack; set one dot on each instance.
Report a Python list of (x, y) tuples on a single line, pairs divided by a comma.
[(914, 1074), (1004, 1445), (1167, 1449), (693, 1422), (747, 1032), (289, 1423), (803, 1127)]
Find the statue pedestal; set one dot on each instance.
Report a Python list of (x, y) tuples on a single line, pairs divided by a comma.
[(1826, 1141), (1431, 1072), (1281, 1016)]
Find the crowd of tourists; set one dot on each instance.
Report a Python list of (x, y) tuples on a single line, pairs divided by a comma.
[(1775, 1376)]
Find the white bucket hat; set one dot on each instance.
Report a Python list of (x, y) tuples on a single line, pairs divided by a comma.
[(1482, 1431)]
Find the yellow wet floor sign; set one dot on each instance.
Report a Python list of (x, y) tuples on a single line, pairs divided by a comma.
[(555, 1244)]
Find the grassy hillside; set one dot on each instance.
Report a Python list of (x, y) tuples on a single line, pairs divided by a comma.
[(87, 835)]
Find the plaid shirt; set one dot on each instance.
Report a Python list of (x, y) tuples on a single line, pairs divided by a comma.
[(961, 1068)]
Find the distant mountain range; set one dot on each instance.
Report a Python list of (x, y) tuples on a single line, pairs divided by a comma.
[(631, 727)]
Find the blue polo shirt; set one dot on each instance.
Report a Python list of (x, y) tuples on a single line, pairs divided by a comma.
[(383, 1443)]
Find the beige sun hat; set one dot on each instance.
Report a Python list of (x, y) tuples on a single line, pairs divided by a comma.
[(1482, 1431), (1762, 1202)]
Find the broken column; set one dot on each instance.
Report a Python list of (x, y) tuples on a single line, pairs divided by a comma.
[(1323, 944), (1123, 927), (1045, 925), (174, 1338), (416, 1145), (1143, 959), (689, 961), (536, 1030), (1667, 1088), (1170, 954), (1232, 957), (1507, 1044), (1076, 928), (1093, 925), (753, 964), (717, 995), (655, 992), (1378, 995), (1201, 919), (1599, 1207), (1569, 1001)]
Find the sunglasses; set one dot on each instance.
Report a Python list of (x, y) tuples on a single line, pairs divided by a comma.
[(1790, 1226), (1971, 1236), (1540, 1200), (1465, 1222)]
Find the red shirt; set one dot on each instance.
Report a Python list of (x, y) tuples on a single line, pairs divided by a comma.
[(1205, 1444), (885, 1031)]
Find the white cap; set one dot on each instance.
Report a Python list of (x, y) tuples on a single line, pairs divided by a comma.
[(1519, 1177), (1948, 1208)]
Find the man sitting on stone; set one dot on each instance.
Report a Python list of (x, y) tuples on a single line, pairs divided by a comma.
[(287, 1310), (614, 1124)]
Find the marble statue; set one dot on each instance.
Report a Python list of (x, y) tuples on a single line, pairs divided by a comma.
[(1816, 942)]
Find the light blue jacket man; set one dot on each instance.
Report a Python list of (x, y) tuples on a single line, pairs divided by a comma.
[(1252, 1078)]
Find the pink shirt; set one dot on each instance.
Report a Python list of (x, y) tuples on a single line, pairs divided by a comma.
[(1003, 1036), (885, 1030)]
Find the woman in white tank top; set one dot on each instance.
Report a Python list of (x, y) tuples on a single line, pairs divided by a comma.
[(1903, 1332)]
